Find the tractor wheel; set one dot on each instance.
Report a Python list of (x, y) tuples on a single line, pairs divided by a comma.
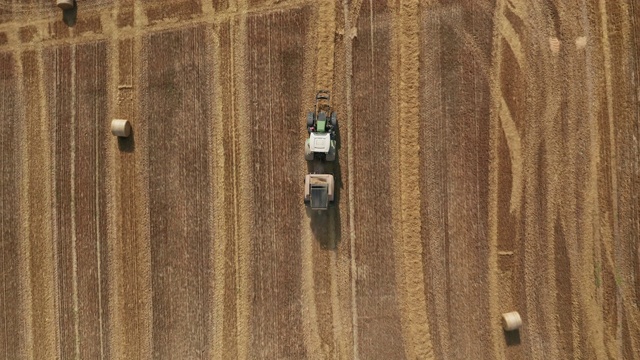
[(308, 154), (309, 120), (334, 120), (331, 155)]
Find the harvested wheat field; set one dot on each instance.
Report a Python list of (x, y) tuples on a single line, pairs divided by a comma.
[(488, 161)]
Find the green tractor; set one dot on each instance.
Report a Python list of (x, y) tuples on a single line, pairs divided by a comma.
[(321, 125)]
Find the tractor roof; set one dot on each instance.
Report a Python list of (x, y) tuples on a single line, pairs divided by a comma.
[(320, 142)]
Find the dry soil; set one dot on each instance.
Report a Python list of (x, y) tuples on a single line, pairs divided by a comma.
[(488, 161)]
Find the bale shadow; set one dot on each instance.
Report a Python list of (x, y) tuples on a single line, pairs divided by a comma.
[(70, 16), (127, 144), (326, 226), (512, 338)]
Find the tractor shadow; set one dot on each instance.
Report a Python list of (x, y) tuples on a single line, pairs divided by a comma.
[(70, 17), (326, 226)]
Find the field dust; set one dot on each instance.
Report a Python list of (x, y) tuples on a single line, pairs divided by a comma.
[(487, 162)]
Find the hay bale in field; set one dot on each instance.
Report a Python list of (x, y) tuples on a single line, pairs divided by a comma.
[(120, 127), (65, 4), (511, 321)]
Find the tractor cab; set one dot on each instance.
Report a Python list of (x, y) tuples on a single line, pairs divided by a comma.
[(319, 142), (321, 125)]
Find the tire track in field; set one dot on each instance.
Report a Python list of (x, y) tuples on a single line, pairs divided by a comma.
[(130, 249), (117, 330), (548, 171), (71, 63), (635, 185), (231, 265), (130, 280), (179, 178), (354, 12), (567, 262), (567, 208), (434, 205), (514, 141), (528, 102), (600, 192), (629, 160), (79, 155), (91, 108), (348, 63), (114, 264), (140, 15), (595, 206), (243, 175), (459, 159), (218, 226), (318, 70), (587, 253), (623, 141), (455, 48), (12, 309), (582, 204), (520, 105), (277, 312), (320, 229), (340, 256), (378, 319), (579, 203), (141, 244), (58, 72), (224, 196), (25, 227), (44, 271), (214, 163), (410, 279), (497, 281)]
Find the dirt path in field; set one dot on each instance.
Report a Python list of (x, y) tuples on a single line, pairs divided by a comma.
[(487, 162)]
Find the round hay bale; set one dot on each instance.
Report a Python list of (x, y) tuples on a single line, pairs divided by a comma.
[(120, 128), (65, 4), (511, 321)]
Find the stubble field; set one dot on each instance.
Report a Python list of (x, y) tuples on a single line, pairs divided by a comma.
[(487, 162)]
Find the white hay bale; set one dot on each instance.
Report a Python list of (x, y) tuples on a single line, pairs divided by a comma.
[(120, 127), (511, 321), (65, 4)]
